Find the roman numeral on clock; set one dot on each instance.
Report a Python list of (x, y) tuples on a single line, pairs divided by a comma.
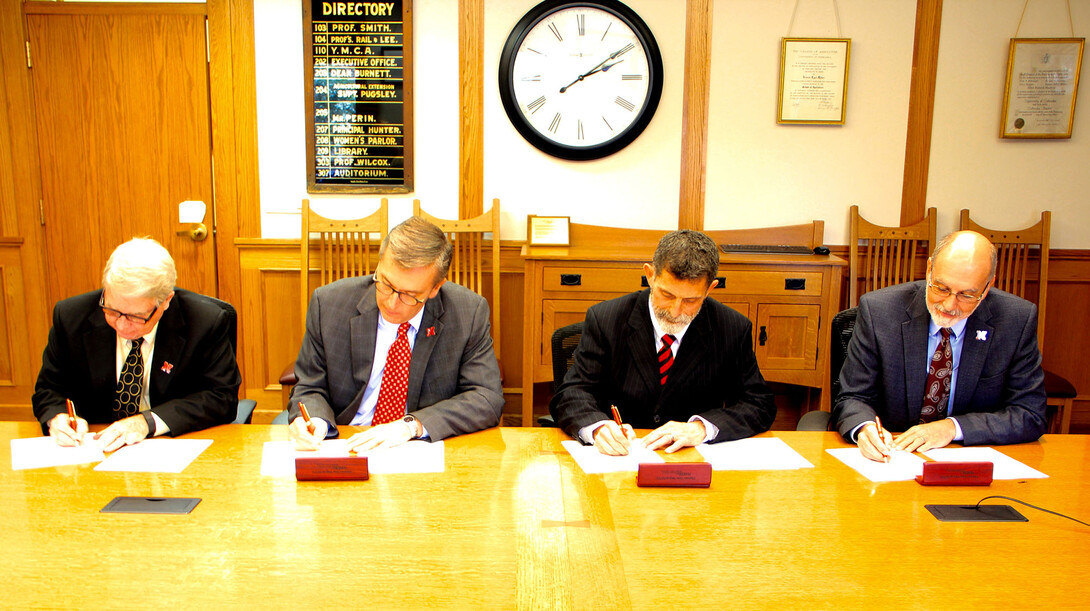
[(625, 104), (536, 105), (555, 124)]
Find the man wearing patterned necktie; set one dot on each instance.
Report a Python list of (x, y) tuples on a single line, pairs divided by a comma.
[(944, 359), (141, 354), (402, 351), (668, 358)]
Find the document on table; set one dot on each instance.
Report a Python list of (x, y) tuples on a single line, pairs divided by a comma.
[(278, 457), (753, 454), (592, 461), (38, 452), (1003, 466), (155, 455), (901, 466)]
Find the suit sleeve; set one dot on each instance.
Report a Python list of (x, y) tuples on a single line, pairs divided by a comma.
[(1022, 416), (212, 379), (575, 404), (749, 408), (311, 372), (50, 391), (860, 377), (478, 400)]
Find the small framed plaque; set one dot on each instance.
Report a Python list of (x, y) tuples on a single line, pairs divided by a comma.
[(1042, 80), (547, 230), (814, 80)]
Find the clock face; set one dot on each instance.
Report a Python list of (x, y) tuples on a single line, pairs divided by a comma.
[(580, 80)]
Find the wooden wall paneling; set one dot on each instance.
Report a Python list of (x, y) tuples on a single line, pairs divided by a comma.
[(694, 114), (237, 208), (16, 376), (22, 240), (921, 103), (471, 99)]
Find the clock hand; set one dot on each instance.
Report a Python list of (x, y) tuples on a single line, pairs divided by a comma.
[(599, 67)]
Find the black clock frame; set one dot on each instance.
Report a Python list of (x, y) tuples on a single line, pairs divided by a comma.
[(621, 140)]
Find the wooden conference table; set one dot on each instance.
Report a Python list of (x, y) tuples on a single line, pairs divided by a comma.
[(514, 523)]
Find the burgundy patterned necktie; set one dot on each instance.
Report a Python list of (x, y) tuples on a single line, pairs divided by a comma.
[(940, 369), (395, 380), (666, 357)]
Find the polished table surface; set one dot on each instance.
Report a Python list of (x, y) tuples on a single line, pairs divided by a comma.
[(514, 523)]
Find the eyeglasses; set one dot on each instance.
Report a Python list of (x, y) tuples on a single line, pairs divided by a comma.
[(942, 292), (112, 314), (386, 290)]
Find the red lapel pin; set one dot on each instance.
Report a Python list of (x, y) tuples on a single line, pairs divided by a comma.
[(430, 332), (167, 367)]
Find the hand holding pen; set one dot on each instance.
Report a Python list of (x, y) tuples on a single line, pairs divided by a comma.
[(307, 433), (613, 438), (883, 446), (67, 429)]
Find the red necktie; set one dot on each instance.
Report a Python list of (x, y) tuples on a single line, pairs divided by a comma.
[(938, 381), (395, 380), (666, 358)]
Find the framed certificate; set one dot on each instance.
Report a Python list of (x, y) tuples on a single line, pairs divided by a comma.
[(814, 80), (547, 230), (1042, 80)]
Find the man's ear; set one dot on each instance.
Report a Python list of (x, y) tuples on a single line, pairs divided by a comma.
[(435, 290)]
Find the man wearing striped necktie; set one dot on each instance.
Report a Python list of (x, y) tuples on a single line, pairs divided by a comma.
[(668, 358)]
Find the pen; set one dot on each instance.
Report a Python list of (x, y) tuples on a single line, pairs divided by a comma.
[(881, 434), (616, 414), (306, 418), (71, 414)]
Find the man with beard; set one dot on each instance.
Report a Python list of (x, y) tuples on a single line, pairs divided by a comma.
[(668, 358), (935, 359)]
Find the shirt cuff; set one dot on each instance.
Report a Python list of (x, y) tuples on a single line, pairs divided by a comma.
[(854, 434), (958, 435), (710, 430), (586, 434), (161, 427)]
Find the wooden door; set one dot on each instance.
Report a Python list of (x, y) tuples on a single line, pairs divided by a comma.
[(124, 133)]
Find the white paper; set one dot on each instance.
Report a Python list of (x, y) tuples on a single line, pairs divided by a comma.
[(1003, 466), (38, 452), (901, 466), (278, 457), (155, 456), (592, 461), (753, 454)]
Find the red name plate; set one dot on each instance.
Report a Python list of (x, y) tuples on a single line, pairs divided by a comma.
[(956, 474), (675, 474), (331, 468)]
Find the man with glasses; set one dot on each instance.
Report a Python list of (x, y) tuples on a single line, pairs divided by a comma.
[(140, 354), (944, 359), (402, 351), (668, 358)]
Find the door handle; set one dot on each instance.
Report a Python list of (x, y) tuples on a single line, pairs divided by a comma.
[(196, 231), (763, 337)]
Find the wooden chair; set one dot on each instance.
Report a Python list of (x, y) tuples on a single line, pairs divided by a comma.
[(468, 266), (1023, 258), (339, 249), (888, 255)]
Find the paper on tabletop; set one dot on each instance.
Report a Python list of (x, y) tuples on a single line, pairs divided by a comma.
[(592, 461), (1003, 466), (278, 457), (901, 466), (38, 452), (753, 454), (158, 455)]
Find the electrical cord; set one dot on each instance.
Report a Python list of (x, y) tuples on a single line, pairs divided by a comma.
[(996, 496)]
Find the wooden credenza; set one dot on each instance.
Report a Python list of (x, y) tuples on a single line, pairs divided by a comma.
[(790, 300)]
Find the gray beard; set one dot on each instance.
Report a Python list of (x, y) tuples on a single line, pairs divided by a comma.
[(671, 325)]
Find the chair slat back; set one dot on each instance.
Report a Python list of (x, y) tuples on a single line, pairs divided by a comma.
[(1021, 259), (469, 266), (882, 256)]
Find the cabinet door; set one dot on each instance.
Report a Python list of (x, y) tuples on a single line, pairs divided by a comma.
[(556, 313), (787, 336)]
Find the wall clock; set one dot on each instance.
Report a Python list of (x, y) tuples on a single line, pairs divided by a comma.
[(580, 80)]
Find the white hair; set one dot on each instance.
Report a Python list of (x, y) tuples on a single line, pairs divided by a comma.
[(140, 268)]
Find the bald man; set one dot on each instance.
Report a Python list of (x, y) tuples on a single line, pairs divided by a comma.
[(944, 359)]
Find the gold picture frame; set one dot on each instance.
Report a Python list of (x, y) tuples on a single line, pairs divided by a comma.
[(547, 230), (1042, 83), (814, 81)]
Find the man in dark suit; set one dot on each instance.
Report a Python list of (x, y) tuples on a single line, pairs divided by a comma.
[(443, 380), (993, 391), (668, 358), (182, 375)]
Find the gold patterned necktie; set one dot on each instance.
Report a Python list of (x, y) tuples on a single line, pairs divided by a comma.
[(130, 384)]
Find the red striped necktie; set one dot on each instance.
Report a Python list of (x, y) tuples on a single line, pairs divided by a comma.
[(666, 357)]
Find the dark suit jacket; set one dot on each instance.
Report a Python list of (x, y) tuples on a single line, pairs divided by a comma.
[(454, 378), (79, 363), (715, 374), (1000, 395)]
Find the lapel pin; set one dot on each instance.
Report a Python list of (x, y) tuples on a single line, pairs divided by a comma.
[(430, 332), (982, 336), (167, 367)]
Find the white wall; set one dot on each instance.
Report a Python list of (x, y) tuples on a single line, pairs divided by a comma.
[(759, 173)]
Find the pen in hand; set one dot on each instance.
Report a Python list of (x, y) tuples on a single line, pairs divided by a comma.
[(617, 419), (72, 418), (306, 418), (881, 437)]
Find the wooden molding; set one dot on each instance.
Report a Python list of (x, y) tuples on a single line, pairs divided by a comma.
[(921, 105), (694, 115), (471, 79)]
